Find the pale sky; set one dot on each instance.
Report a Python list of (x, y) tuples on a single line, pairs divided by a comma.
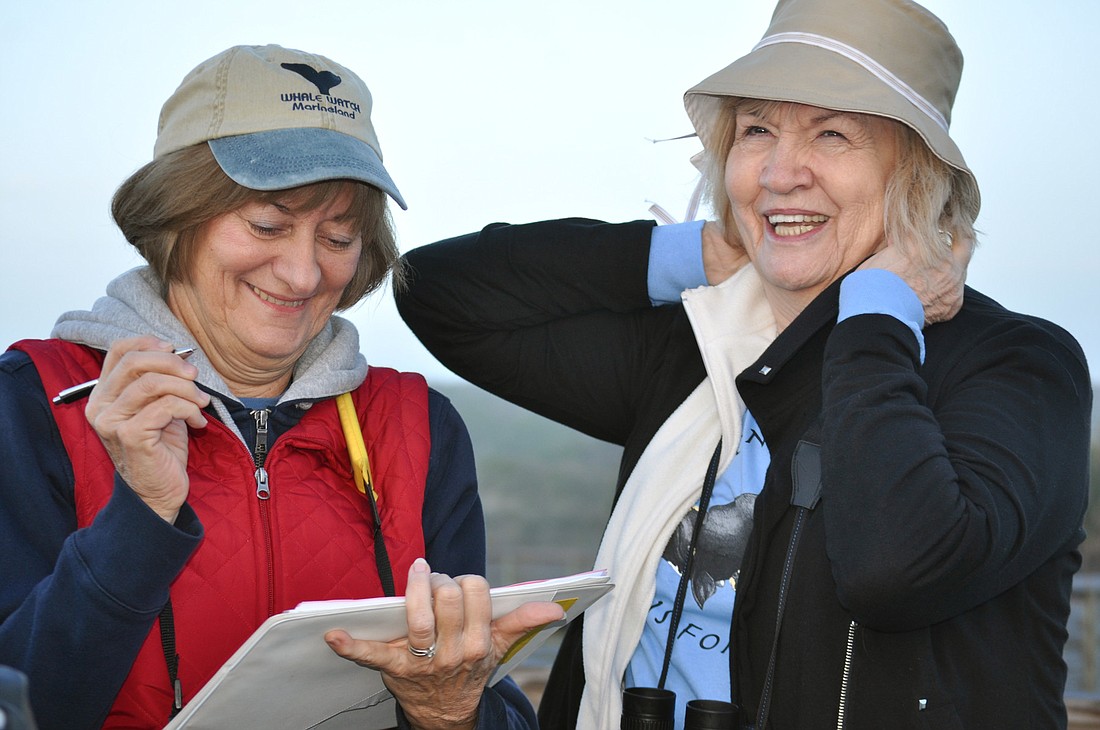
[(503, 110)]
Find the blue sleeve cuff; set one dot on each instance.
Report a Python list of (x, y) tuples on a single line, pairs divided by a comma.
[(675, 261), (878, 291)]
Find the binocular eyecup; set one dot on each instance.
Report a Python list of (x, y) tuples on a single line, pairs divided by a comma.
[(650, 708)]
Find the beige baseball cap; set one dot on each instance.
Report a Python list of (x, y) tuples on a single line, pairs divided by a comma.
[(892, 58), (277, 118)]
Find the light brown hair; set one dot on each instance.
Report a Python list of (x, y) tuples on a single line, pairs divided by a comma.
[(162, 206)]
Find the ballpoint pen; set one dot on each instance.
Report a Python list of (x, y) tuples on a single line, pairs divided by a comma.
[(77, 392)]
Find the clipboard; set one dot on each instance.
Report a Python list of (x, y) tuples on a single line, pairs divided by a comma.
[(286, 676)]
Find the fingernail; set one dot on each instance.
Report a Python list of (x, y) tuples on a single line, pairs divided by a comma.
[(420, 565)]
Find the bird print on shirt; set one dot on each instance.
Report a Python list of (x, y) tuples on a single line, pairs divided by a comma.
[(725, 534)]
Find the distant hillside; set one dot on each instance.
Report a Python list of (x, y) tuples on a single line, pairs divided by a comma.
[(1095, 411), (546, 489)]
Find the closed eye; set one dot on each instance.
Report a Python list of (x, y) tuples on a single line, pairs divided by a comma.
[(340, 244), (264, 231)]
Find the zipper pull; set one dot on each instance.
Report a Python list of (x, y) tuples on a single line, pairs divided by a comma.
[(259, 454), (263, 490)]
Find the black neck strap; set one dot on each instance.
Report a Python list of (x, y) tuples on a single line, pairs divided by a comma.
[(685, 575)]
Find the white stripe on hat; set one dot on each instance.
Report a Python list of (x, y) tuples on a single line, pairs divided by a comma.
[(870, 64)]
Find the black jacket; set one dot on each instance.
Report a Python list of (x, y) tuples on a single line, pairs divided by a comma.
[(930, 583)]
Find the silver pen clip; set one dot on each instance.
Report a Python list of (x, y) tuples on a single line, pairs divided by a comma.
[(75, 393)]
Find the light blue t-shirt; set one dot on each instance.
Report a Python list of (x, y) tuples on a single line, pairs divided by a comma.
[(700, 652)]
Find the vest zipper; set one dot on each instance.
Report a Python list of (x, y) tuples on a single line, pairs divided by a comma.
[(263, 493), (259, 454), (848, 649)]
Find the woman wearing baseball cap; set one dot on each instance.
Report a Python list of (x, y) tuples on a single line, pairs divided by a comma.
[(151, 523), (852, 490)]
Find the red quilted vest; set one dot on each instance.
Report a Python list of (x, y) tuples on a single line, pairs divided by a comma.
[(311, 540)]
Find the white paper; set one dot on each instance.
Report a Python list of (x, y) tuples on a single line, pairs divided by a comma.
[(286, 676)]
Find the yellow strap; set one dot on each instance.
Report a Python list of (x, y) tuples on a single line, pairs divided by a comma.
[(357, 449)]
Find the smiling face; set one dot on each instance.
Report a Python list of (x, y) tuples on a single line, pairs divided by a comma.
[(807, 190), (262, 281)]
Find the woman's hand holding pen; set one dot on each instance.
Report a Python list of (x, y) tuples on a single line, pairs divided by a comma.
[(439, 671), (141, 408)]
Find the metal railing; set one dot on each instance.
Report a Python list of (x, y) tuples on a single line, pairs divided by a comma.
[(1083, 647)]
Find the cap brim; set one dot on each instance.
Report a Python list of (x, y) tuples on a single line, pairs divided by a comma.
[(287, 158)]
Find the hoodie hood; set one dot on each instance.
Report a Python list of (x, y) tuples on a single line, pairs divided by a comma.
[(133, 305)]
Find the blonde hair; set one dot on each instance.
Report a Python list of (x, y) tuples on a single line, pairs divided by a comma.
[(161, 208), (925, 197)]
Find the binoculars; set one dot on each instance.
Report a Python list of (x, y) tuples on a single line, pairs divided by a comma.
[(650, 708)]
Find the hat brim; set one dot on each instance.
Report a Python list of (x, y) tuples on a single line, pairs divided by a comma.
[(287, 158), (806, 74)]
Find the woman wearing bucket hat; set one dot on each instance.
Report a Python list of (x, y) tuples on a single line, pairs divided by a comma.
[(150, 525), (851, 491)]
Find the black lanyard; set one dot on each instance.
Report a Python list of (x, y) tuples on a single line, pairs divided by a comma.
[(685, 575)]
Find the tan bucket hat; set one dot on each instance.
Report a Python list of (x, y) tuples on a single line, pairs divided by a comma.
[(277, 118), (892, 58)]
